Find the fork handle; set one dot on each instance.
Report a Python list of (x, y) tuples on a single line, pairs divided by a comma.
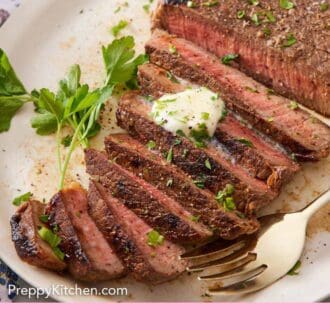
[(312, 208)]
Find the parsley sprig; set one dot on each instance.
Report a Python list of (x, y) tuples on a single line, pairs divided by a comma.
[(74, 105)]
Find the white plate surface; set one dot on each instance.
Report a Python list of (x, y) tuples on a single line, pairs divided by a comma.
[(43, 38)]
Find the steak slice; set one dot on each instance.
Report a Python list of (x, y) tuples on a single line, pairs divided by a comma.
[(262, 160), (136, 158), (151, 205), (300, 70), (64, 219), (29, 245), (133, 114), (304, 136), (127, 234)]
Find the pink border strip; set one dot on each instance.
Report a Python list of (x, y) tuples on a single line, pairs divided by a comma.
[(165, 316)]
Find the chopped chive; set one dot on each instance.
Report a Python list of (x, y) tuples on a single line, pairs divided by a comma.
[(208, 164)]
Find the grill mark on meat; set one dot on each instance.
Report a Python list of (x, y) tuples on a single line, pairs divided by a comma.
[(250, 194), (306, 137), (127, 233), (135, 157), (155, 208), (263, 161), (300, 72), (29, 245), (101, 256)]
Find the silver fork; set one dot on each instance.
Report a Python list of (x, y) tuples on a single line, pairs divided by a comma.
[(254, 263)]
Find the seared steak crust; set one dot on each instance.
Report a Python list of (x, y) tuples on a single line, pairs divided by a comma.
[(301, 71), (250, 194), (306, 137), (29, 246), (144, 200), (107, 214), (135, 157), (106, 265), (79, 265), (276, 169)]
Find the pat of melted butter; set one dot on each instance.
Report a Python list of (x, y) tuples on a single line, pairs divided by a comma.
[(191, 110)]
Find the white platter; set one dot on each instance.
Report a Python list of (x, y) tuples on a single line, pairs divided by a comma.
[(43, 38)]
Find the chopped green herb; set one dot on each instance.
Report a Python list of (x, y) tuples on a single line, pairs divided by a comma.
[(191, 4), (177, 142), (195, 218), (294, 270), (151, 145), (215, 97), (224, 197), (208, 164), (169, 183), (285, 4), (66, 141), (205, 115), (251, 89), (146, 8), (155, 238), (267, 31), (172, 77), (115, 30), (200, 135), (293, 105), (240, 14), (180, 132), (270, 91), (21, 199), (118, 9), (169, 157), (44, 218), (210, 3), (229, 204), (255, 19), (223, 115), (324, 6), (52, 239), (227, 59), (254, 2), (200, 183), (270, 17), (172, 49), (289, 41), (246, 142)]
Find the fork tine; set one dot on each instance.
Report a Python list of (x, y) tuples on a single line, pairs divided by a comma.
[(220, 268), (214, 255), (223, 282)]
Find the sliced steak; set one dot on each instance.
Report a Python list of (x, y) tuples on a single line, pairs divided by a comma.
[(128, 235), (135, 157), (80, 265), (155, 208), (102, 257), (262, 159), (292, 57), (250, 194), (29, 245), (304, 136)]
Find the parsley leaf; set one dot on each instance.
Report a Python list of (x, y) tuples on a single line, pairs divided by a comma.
[(12, 93)]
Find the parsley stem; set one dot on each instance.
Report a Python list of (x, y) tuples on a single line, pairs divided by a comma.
[(58, 143), (75, 138)]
